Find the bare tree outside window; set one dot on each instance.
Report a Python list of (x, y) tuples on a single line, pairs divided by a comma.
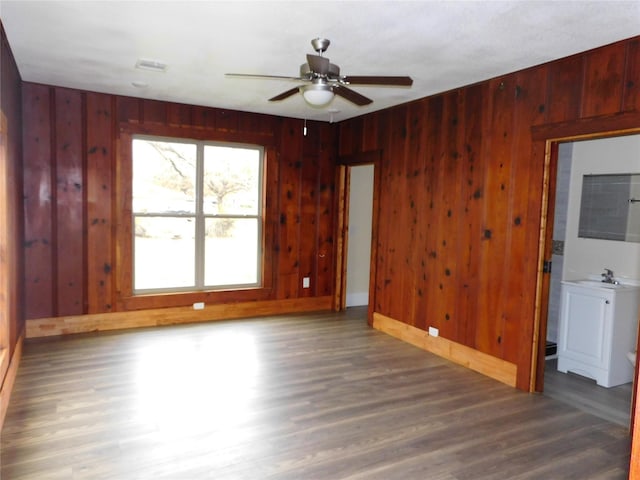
[(227, 177), (178, 170)]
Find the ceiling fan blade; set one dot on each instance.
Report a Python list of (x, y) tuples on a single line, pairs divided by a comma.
[(318, 64), (252, 75), (284, 95), (378, 80), (351, 95)]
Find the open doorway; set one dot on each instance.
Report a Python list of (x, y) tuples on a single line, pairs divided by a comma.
[(358, 247), (356, 225), (574, 256)]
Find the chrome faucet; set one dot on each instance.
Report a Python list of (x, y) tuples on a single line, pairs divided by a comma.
[(607, 276)]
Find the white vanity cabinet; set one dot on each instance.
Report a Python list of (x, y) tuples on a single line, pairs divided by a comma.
[(598, 327)]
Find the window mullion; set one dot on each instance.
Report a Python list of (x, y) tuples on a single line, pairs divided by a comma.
[(200, 224)]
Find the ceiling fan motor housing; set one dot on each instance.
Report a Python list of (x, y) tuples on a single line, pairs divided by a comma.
[(307, 73)]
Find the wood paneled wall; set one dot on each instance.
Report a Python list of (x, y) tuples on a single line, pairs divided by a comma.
[(461, 195), (11, 204), (70, 183), (11, 230)]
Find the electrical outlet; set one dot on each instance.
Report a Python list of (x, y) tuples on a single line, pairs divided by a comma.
[(198, 306), (433, 332), (306, 282)]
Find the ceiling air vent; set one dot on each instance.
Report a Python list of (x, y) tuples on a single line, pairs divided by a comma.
[(153, 65)]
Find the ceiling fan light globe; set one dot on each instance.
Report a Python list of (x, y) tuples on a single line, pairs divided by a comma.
[(317, 97)]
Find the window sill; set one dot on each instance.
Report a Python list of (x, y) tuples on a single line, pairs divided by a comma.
[(180, 299)]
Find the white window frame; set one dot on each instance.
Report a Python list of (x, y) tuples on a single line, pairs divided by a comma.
[(200, 217)]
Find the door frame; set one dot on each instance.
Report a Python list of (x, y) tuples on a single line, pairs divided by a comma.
[(545, 138), (370, 157)]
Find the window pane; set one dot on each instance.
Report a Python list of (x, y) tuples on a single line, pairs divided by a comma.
[(163, 177), (231, 180), (231, 251), (164, 253)]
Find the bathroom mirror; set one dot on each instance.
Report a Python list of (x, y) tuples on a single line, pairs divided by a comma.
[(610, 207)]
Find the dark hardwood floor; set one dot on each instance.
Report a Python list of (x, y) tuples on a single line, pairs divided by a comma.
[(318, 396), (613, 404)]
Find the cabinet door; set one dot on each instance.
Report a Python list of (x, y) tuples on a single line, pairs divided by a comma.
[(584, 327)]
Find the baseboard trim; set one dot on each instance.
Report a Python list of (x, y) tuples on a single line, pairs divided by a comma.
[(496, 368), (45, 327), (9, 380)]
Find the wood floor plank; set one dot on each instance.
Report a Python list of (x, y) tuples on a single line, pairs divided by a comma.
[(314, 396), (613, 404)]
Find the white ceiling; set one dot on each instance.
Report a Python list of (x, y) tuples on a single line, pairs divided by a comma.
[(94, 45)]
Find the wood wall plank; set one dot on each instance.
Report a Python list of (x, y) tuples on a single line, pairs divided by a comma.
[(39, 290), (418, 209), (326, 215), (531, 94), (154, 111), (470, 216), (447, 200), (604, 74), (523, 210), (289, 201), (256, 123), (271, 215), (370, 134), (348, 141), (631, 101), (99, 215), (68, 216), (203, 117), (309, 189), (226, 120), (382, 240), (128, 109), (430, 282), (493, 237), (179, 114), (395, 205), (565, 89)]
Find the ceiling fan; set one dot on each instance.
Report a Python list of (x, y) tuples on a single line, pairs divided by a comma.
[(323, 80)]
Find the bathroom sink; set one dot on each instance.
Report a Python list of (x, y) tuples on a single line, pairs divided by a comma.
[(598, 326), (595, 283)]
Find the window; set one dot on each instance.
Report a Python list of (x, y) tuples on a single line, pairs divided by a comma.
[(197, 215)]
